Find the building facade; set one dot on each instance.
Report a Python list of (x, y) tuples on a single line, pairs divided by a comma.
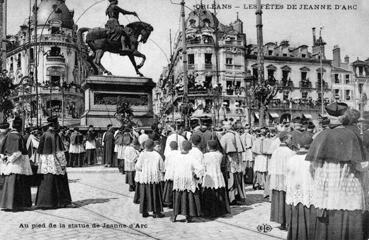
[(46, 51), (216, 58), (361, 81), (344, 87), (223, 72)]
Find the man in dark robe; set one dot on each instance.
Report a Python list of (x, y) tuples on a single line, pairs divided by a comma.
[(339, 160), (53, 191), (108, 141), (4, 129)]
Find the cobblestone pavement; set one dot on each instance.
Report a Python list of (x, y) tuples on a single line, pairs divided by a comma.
[(106, 211)]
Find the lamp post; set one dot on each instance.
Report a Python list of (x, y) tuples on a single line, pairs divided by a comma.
[(63, 85), (3, 32), (248, 79), (321, 55), (185, 69), (260, 57)]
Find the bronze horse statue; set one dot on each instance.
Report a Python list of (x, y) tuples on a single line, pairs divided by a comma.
[(98, 40)]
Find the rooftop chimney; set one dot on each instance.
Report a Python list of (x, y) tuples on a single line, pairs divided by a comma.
[(347, 59), (314, 36), (336, 56)]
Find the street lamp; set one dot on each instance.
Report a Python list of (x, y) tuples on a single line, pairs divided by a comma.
[(216, 92), (264, 91), (321, 44)]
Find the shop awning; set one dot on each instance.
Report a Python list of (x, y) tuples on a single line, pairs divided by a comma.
[(308, 116), (274, 115), (256, 115)]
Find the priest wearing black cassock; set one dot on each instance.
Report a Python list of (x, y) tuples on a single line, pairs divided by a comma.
[(4, 129), (108, 141), (15, 166), (338, 165), (53, 191)]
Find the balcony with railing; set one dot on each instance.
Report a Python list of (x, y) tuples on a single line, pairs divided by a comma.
[(286, 84), (306, 85), (56, 59), (229, 66), (208, 66), (56, 38), (296, 104), (192, 66), (325, 85)]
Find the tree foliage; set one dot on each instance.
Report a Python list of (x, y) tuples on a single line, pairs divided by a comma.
[(124, 112), (6, 89)]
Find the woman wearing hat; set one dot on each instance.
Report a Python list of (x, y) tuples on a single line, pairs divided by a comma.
[(339, 164), (15, 166)]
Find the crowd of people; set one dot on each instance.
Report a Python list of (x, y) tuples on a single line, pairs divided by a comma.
[(315, 176), (26, 161)]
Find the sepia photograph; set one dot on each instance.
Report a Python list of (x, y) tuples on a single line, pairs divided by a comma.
[(184, 119)]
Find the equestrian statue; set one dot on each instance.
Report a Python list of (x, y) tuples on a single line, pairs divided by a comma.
[(116, 38)]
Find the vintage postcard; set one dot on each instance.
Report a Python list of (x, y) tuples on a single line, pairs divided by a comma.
[(184, 119)]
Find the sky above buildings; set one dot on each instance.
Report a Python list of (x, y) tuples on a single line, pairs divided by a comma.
[(345, 24)]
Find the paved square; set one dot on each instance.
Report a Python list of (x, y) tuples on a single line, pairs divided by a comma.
[(106, 211)]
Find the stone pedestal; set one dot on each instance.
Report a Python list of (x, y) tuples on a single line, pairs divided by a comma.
[(102, 94)]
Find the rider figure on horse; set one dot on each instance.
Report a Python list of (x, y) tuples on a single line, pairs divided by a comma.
[(115, 30)]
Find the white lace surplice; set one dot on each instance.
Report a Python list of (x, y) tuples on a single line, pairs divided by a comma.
[(150, 165), (130, 156), (213, 177), (76, 148), (186, 167), (16, 164), (170, 164), (52, 163), (299, 182), (277, 167), (90, 144), (261, 163), (337, 187)]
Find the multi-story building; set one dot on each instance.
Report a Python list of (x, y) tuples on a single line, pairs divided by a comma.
[(298, 74), (47, 42), (361, 78), (223, 69), (343, 82), (216, 57)]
